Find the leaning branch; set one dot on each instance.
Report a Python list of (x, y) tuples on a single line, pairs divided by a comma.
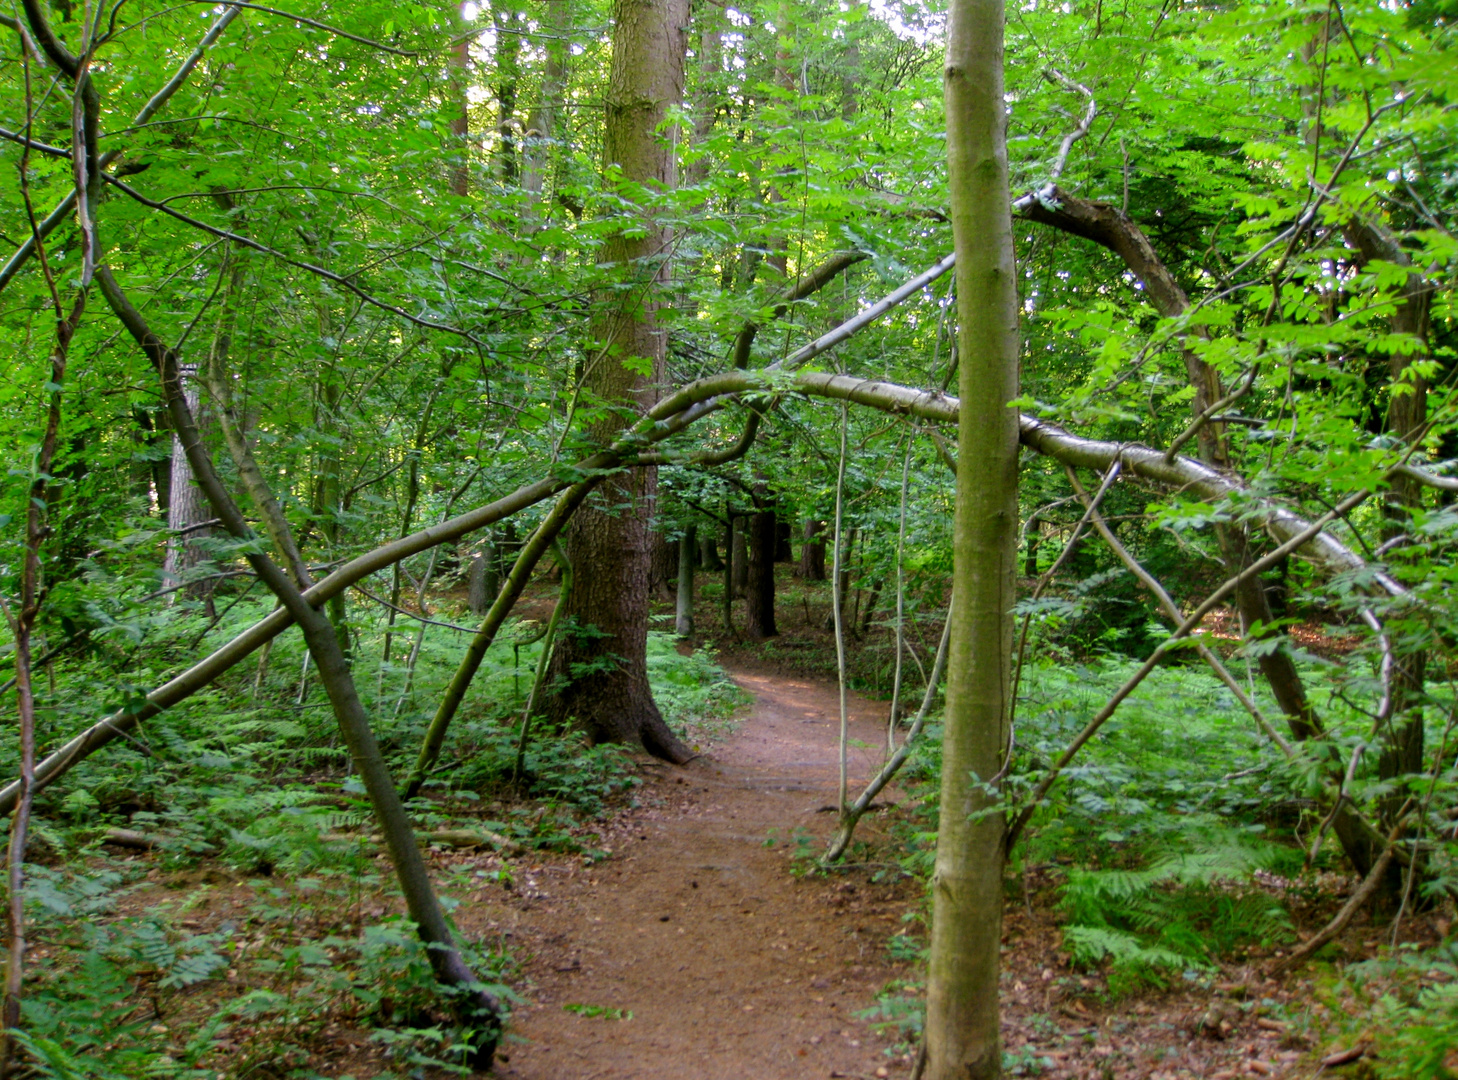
[(673, 415)]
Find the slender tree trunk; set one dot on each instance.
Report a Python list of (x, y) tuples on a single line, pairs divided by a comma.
[(962, 1039), (186, 507), (609, 541), (152, 464), (544, 121), (1111, 228), (683, 623), (1407, 413), (482, 581), (508, 23), (460, 77), (709, 551), (759, 593), (812, 551), (709, 21), (324, 646), (663, 565), (739, 553), (783, 551)]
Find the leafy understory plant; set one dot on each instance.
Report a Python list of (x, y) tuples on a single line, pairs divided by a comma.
[(1180, 913)]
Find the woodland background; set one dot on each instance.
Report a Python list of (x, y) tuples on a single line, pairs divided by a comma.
[(389, 260)]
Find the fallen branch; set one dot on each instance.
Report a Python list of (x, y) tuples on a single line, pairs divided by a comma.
[(1355, 903)]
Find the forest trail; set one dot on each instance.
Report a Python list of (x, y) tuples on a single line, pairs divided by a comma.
[(730, 965)]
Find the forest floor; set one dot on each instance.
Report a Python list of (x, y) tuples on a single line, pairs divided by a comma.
[(703, 949), (690, 936)]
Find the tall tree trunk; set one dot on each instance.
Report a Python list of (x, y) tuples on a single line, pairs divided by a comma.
[(709, 21), (483, 580), (609, 541), (783, 551), (739, 554), (544, 119), (152, 464), (709, 551), (683, 622), (812, 551), (759, 593), (460, 68), (187, 508), (962, 1041), (663, 564), (508, 23)]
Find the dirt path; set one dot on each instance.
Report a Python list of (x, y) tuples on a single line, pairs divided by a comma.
[(730, 965)]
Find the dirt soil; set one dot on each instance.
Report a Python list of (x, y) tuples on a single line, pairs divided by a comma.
[(733, 965), (730, 964)]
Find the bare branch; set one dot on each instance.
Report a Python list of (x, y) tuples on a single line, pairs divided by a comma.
[(1053, 75)]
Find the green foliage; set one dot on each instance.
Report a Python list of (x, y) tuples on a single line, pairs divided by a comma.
[(1180, 912)]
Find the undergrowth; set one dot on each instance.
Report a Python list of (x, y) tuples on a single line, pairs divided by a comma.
[(250, 777)]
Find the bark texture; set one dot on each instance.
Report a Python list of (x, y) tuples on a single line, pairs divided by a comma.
[(187, 508), (683, 622), (739, 554), (812, 551), (759, 593), (602, 655), (962, 1038)]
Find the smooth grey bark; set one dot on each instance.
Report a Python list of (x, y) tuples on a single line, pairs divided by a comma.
[(186, 509), (683, 620), (962, 1039), (739, 553)]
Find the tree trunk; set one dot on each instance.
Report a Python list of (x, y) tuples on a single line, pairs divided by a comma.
[(709, 551), (683, 623), (709, 21), (152, 462), (460, 67), (187, 507), (759, 594), (812, 551), (609, 541), (475, 1003), (544, 119), (962, 1040), (508, 23), (739, 555), (664, 564), (482, 581)]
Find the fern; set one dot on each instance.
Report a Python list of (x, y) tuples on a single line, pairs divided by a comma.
[(1181, 912), (1091, 944)]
